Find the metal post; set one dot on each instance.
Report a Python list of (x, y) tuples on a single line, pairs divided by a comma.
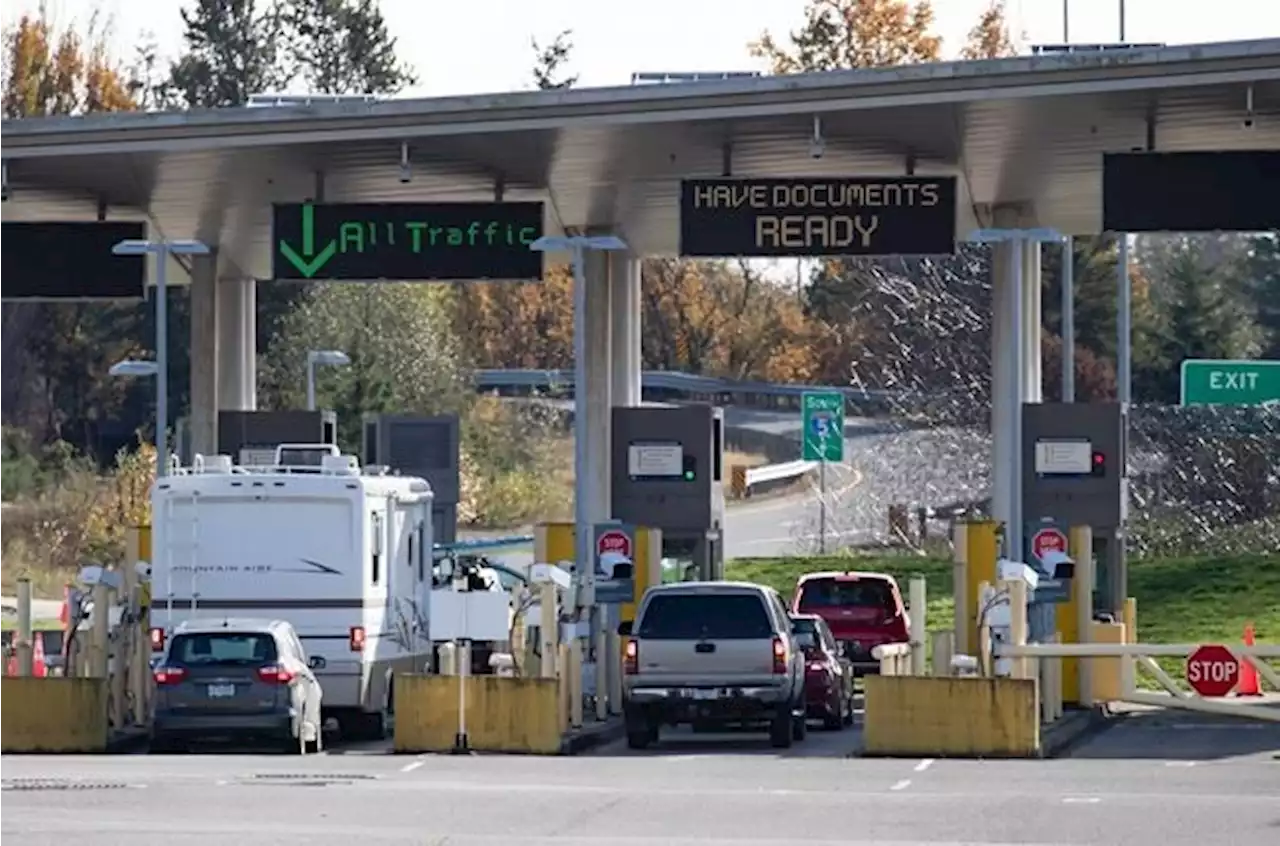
[(1013, 531), (162, 360), (1066, 16), (822, 507), (1121, 21), (1124, 321), (581, 508), (1068, 319), (919, 605), (311, 381), (23, 638)]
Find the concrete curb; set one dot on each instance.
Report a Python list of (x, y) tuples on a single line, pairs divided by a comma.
[(590, 736), (1075, 726)]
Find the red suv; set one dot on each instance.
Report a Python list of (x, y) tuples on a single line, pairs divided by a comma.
[(863, 610)]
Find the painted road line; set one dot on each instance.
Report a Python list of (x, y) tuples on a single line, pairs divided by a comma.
[(924, 765), (901, 785), (411, 766)]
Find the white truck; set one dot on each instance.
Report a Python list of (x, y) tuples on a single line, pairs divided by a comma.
[(343, 555)]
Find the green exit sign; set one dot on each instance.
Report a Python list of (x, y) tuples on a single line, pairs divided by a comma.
[(1207, 382)]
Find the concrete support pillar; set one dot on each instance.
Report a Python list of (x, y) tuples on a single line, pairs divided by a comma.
[(237, 345), (627, 363), (1006, 319), (202, 422)]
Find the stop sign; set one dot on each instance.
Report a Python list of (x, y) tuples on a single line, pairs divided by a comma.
[(1048, 540), (614, 541), (1212, 670)]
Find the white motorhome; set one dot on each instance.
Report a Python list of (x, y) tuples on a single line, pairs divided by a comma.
[(343, 555)]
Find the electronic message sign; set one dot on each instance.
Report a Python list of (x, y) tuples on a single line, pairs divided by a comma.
[(71, 261), (871, 216), (406, 241), (1229, 191)]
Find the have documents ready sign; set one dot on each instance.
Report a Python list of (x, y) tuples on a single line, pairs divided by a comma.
[(1207, 382)]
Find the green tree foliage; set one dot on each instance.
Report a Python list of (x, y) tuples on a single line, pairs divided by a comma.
[(344, 47), (233, 48), (1261, 278)]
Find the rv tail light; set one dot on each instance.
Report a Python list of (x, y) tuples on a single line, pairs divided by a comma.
[(631, 658), (357, 638), (168, 675), (157, 639)]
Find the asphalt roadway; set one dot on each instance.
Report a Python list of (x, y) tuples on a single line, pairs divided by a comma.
[(1168, 780)]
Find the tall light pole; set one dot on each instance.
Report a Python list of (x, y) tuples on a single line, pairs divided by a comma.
[(161, 250), (140, 369), (321, 358)]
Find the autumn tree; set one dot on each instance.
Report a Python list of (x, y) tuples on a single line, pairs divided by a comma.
[(843, 34), (56, 355), (990, 38), (550, 59)]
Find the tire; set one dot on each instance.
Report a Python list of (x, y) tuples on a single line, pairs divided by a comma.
[(847, 719), (835, 722), (799, 726), (364, 726), (780, 729), (291, 744)]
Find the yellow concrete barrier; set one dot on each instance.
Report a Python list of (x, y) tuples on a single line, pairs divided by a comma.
[(1106, 678), (53, 715), (503, 714), (917, 716)]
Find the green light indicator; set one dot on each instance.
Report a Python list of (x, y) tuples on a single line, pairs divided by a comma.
[(688, 475)]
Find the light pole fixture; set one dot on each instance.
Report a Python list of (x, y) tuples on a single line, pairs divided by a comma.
[(321, 358), (161, 250), (131, 367)]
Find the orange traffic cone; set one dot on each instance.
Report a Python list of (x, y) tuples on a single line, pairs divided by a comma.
[(1248, 684), (38, 668), (64, 613), (11, 666)]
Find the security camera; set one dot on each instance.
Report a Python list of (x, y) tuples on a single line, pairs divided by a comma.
[(817, 144), (406, 171)]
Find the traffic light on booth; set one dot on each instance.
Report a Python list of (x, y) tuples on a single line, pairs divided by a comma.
[(1099, 466), (690, 467)]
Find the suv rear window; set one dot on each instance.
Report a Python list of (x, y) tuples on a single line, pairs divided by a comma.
[(711, 616), (847, 593), (194, 650), (806, 633)]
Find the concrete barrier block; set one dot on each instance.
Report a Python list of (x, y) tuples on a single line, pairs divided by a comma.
[(53, 715), (519, 715), (916, 716)]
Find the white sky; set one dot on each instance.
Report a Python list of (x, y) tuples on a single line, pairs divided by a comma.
[(483, 45)]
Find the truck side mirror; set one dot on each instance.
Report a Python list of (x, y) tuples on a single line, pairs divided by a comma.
[(625, 627)]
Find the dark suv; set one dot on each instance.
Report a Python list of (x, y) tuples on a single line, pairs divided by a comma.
[(235, 679)]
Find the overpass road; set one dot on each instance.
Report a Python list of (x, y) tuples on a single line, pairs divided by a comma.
[(692, 791)]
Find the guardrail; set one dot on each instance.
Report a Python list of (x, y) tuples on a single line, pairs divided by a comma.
[(745, 481), (471, 544), (710, 388)]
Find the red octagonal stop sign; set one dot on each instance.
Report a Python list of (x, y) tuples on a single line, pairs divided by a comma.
[(1212, 670)]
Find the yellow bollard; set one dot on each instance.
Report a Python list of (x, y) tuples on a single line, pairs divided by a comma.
[(1075, 617), (982, 549)]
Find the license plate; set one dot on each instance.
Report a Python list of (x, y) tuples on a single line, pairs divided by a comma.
[(221, 691), (704, 694)]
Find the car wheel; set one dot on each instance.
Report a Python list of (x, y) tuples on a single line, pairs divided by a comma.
[(799, 726), (640, 733), (834, 719), (781, 729), (365, 726)]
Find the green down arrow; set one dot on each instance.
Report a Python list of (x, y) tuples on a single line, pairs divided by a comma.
[(309, 263)]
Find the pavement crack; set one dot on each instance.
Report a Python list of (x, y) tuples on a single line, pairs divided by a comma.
[(572, 824)]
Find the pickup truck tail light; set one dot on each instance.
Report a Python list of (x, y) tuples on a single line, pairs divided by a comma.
[(156, 636), (356, 638), (779, 656), (168, 675), (631, 658)]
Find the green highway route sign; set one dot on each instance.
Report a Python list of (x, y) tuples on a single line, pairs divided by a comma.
[(1208, 382), (406, 241), (823, 422)]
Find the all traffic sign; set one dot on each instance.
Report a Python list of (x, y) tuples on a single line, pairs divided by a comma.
[(1212, 670), (614, 540), (1048, 540)]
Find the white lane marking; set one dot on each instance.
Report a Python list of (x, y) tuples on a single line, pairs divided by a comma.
[(1179, 763), (1081, 800), (924, 765), (901, 785), (411, 766)]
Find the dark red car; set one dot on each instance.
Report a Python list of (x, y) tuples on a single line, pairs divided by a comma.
[(863, 611), (828, 676)]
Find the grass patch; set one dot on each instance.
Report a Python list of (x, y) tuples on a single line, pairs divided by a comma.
[(9, 624), (1201, 599)]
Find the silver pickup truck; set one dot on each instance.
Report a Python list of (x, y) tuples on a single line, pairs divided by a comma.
[(712, 653)]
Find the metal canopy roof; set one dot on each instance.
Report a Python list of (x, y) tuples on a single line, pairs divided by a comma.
[(1029, 131)]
